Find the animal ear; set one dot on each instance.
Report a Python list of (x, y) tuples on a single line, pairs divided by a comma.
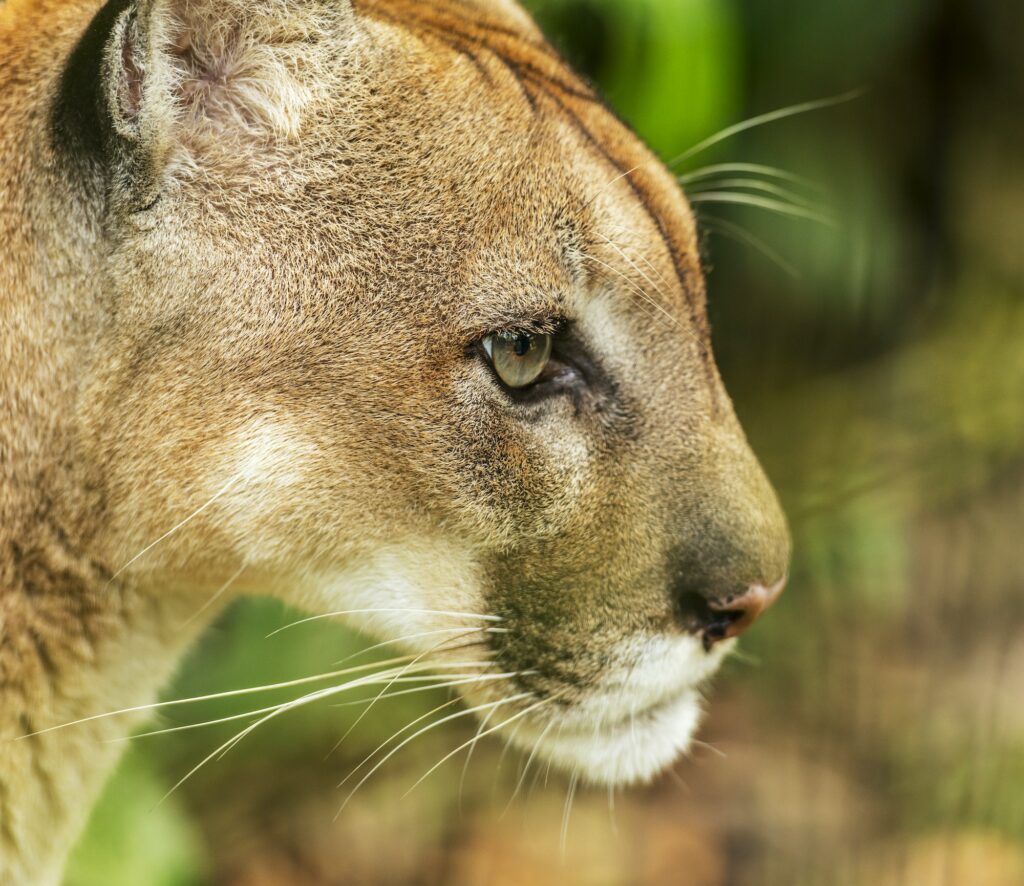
[(154, 81)]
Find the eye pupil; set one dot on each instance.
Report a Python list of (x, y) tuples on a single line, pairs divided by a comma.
[(522, 345)]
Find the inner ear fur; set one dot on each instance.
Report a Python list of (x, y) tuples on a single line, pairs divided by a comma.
[(249, 67), (154, 81)]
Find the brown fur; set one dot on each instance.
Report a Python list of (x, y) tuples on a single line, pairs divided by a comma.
[(250, 311)]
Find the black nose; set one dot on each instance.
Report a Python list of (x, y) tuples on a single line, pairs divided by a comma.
[(718, 617)]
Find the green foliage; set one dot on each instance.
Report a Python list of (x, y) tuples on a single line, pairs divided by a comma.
[(134, 836), (669, 67)]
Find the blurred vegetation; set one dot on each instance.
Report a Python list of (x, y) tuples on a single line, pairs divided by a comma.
[(873, 730)]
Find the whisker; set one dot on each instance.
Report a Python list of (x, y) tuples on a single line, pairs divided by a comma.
[(624, 174), (220, 751), (225, 694), (444, 647), (457, 680), (742, 235), (427, 728), (178, 526), (633, 265), (366, 710), (506, 748), (469, 756), (342, 612), (613, 820), (399, 640), (745, 657), (678, 779), (644, 297), (569, 797), (464, 678), (753, 184), (390, 739), (216, 596), (632, 285), (778, 206), (749, 168), (501, 725), (762, 119), (223, 749), (231, 693), (526, 769), (717, 751)]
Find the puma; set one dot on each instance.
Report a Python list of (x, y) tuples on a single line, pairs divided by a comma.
[(371, 305)]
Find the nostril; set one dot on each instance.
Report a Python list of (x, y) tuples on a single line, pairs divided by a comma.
[(693, 612), (719, 619), (696, 616), (722, 626)]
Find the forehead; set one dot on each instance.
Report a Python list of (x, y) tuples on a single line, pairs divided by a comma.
[(461, 161)]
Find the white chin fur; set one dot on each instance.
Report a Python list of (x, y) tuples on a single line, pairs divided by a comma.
[(634, 750)]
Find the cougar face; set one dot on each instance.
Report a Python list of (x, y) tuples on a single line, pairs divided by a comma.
[(399, 321)]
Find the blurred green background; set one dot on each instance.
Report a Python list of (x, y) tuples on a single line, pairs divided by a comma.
[(872, 731)]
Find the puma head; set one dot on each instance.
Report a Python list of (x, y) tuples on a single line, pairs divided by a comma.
[(393, 317)]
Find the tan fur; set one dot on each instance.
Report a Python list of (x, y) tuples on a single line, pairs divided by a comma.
[(253, 321)]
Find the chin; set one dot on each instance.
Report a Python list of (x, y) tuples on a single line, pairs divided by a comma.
[(630, 751)]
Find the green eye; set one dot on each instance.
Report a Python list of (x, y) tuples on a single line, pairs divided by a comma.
[(518, 357)]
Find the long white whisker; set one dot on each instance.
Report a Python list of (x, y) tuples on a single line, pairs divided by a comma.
[(456, 680), (175, 528), (469, 756), (717, 751), (249, 690), (748, 168), (547, 770), (390, 739), (427, 728), (620, 176), (399, 640), (762, 119), (611, 810), (778, 206), (753, 184), (742, 235), (644, 297), (495, 728), (216, 596), (366, 710), (505, 750), (342, 612), (220, 751), (283, 708), (566, 812), (526, 769), (633, 265), (464, 678)]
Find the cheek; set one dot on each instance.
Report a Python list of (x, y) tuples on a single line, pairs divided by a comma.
[(422, 591), (518, 477), (269, 479)]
